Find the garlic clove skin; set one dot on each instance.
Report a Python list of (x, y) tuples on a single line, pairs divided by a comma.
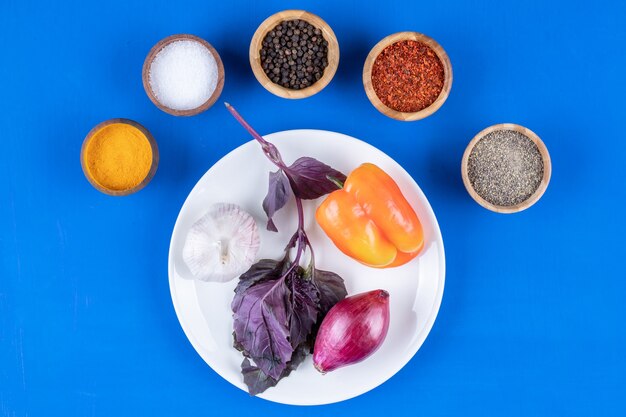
[(222, 244)]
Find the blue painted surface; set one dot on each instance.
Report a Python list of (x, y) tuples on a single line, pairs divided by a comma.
[(532, 321)]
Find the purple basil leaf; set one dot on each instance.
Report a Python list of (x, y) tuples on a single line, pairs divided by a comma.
[(304, 306), (261, 325), (263, 270), (237, 345), (331, 289), (298, 357), (257, 381), (310, 178), (278, 194)]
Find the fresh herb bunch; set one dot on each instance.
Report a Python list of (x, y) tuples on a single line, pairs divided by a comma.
[(278, 304)]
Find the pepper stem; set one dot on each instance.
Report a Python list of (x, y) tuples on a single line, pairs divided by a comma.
[(335, 181)]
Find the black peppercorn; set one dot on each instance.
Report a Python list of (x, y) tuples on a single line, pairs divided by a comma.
[(294, 54)]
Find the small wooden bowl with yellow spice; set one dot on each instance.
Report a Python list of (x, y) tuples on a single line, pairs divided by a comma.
[(119, 157)]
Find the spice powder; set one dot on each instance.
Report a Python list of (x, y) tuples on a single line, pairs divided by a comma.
[(408, 76), (118, 157), (505, 167)]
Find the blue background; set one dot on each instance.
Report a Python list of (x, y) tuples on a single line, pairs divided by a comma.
[(532, 320)]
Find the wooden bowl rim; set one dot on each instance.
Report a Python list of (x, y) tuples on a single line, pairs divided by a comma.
[(154, 51), (398, 37), (543, 185), (153, 166), (269, 24)]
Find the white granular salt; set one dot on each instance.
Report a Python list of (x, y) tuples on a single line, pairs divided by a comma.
[(183, 75)]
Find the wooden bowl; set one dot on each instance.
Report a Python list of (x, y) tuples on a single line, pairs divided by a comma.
[(145, 75), (269, 24), (547, 169), (369, 64), (153, 166)]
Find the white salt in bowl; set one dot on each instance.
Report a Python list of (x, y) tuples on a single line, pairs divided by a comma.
[(183, 75)]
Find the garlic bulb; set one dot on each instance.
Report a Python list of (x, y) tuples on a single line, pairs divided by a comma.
[(222, 244)]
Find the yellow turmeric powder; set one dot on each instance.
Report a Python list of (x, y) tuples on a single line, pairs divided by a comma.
[(118, 157)]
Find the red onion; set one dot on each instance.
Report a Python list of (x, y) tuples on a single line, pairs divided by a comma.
[(352, 330)]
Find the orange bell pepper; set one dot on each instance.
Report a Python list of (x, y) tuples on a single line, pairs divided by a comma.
[(370, 220)]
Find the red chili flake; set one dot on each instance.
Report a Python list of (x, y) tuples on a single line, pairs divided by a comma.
[(407, 76)]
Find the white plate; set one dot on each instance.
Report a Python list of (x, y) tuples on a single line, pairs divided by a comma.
[(415, 289)]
